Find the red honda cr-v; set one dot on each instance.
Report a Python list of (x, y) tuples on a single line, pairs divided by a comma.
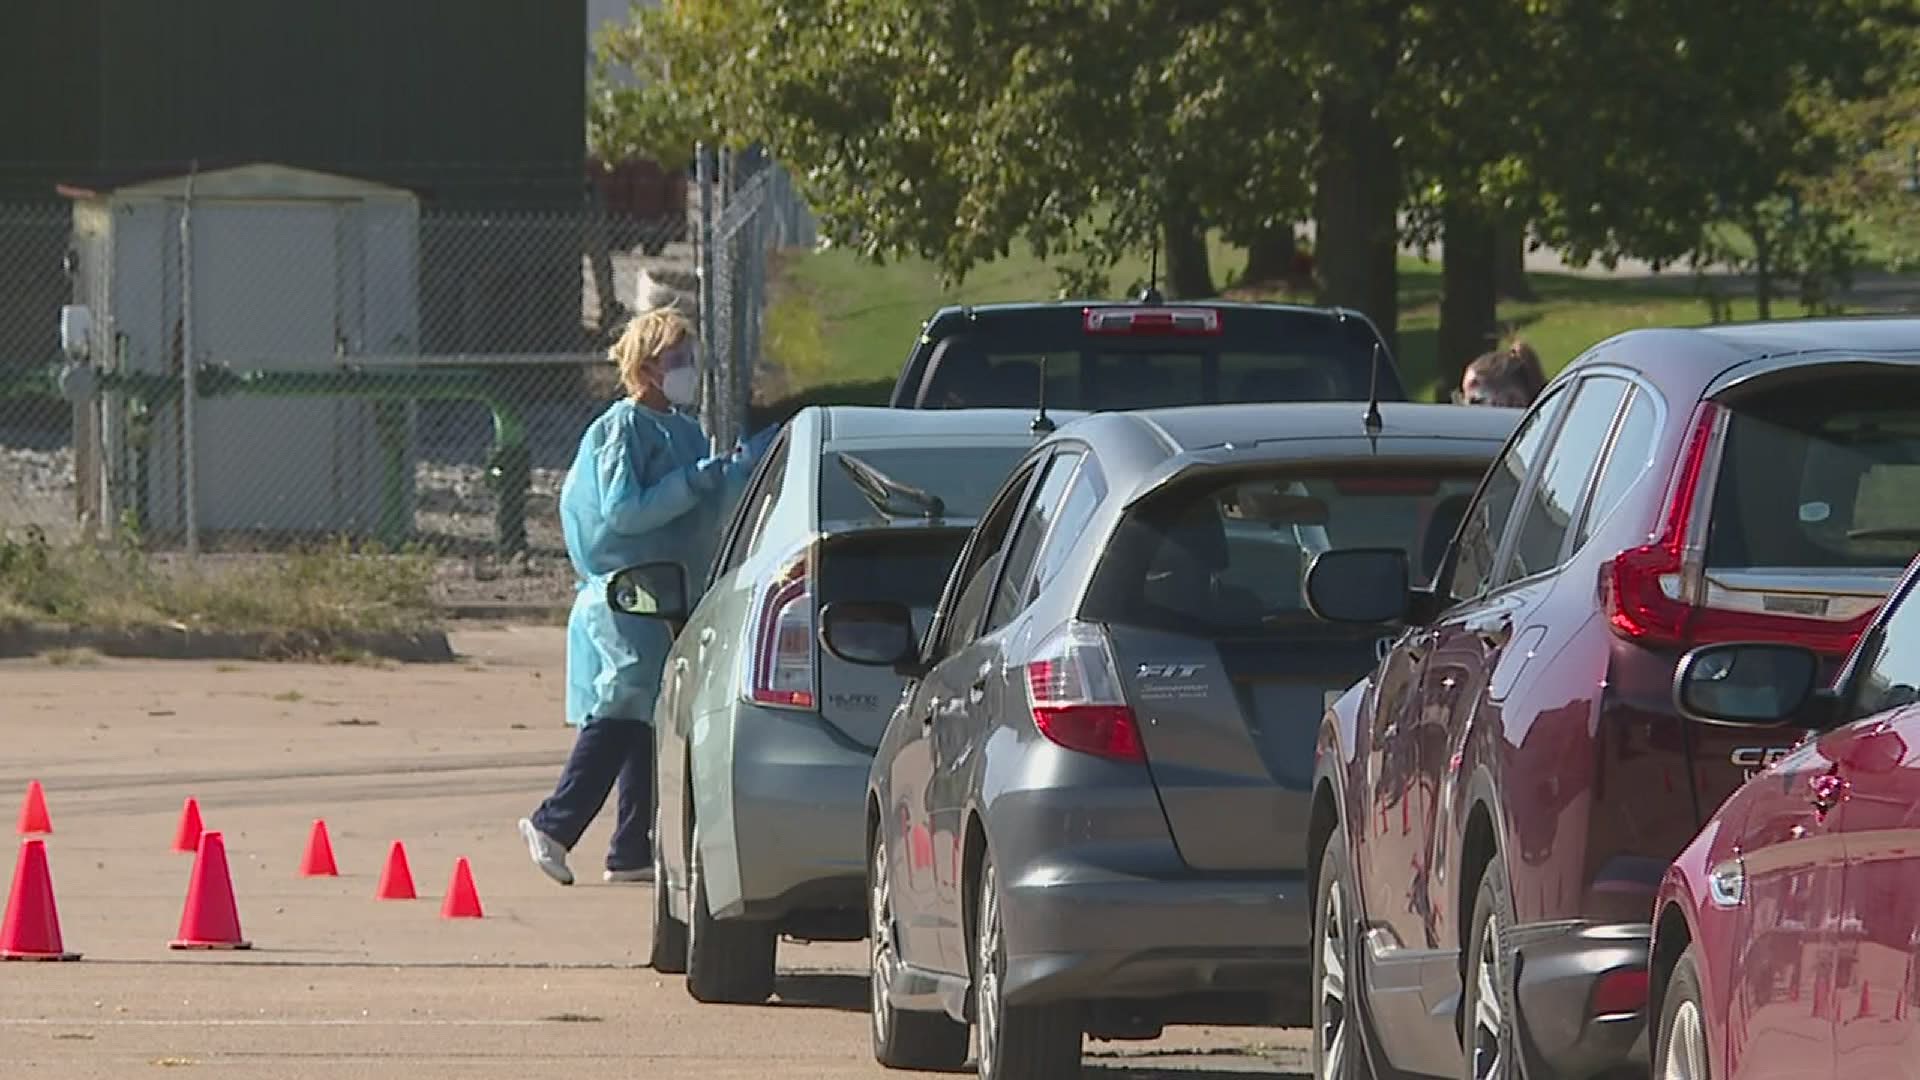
[(1788, 936), (1496, 804)]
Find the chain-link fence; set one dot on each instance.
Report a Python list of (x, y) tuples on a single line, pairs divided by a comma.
[(758, 213), (363, 363)]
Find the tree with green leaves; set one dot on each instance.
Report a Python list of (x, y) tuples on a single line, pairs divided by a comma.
[(1628, 129), (954, 131)]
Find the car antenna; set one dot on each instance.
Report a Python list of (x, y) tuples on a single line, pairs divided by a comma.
[(1151, 294), (1372, 420), (1042, 423)]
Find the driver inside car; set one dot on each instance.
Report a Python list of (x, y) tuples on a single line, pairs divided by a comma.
[(1183, 577)]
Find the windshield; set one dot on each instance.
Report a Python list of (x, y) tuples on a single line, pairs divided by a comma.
[(964, 478), (1227, 556), (1822, 475)]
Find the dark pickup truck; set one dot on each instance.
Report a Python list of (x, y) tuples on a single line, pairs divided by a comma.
[(1103, 356)]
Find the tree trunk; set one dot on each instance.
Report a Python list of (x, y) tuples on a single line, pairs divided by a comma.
[(1762, 269), (1510, 261), (1356, 198), (1270, 254), (1467, 299), (1189, 270)]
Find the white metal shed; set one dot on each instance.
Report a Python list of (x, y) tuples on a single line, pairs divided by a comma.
[(290, 270)]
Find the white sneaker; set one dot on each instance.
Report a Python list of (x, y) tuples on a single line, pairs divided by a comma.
[(548, 854), (620, 877)]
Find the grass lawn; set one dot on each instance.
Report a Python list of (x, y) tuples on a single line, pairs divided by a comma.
[(841, 327), (329, 589)]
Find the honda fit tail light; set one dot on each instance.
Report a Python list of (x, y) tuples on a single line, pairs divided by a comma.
[(1074, 692)]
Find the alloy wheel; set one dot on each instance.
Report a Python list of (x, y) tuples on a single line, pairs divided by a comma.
[(880, 933), (1332, 1030), (1489, 1019), (990, 969), (1686, 1057)]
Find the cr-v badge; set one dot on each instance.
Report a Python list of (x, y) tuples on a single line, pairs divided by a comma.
[(1751, 759)]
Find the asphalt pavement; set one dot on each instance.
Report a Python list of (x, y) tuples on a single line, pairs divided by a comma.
[(445, 759)]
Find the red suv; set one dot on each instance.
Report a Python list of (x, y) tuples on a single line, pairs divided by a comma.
[(1496, 804), (1788, 939)]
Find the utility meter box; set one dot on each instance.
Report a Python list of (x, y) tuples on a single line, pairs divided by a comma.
[(259, 268)]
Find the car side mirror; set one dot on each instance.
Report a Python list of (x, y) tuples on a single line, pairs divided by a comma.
[(656, 590), (1359, 585), (871, 634), (1750, 685)]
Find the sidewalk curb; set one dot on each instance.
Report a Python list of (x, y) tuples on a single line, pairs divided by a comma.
[(20, 640)]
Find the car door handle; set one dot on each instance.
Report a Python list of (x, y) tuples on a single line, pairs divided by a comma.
[(978, 691), (1827, 791)]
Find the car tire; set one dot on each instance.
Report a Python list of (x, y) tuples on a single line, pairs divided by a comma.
[(1681, 1045), (729, 961), (668, 952), (901, 1039), (1486, 999), (1022, 1042), (1339, 1033)]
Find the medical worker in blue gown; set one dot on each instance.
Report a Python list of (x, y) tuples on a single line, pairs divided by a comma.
[(645, 486)]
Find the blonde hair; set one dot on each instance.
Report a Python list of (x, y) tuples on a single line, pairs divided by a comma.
[(648, 337)]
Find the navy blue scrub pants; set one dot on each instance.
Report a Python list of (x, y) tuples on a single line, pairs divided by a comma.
[(606, 751)]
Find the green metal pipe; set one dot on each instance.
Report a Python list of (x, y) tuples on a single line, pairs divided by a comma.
[(21, 381), (509, 465)]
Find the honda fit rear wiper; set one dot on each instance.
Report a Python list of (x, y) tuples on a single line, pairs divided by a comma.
[(882, 490)]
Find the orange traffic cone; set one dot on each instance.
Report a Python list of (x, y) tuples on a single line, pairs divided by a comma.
[(31, 930), (186, 837), (33, 812), (318, 861), (463, 900), (396, 881), (211, 919)]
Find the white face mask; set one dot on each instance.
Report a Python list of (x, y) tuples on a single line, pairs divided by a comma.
[(680, 385)]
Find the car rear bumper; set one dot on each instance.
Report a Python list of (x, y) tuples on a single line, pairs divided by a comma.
[(1558, 966), (798, 822), (1105, 936)]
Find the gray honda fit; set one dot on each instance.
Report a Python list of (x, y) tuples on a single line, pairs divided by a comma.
[(1088, 813)]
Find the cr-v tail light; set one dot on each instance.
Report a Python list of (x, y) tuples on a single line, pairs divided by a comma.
[(1658, 593), (780, 671), (1074, 692)]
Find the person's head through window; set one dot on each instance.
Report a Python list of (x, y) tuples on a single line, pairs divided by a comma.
[(656, 357), (1183, 577), (1509, 376)]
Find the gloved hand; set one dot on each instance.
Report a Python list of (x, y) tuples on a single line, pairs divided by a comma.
[(756, 444)]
